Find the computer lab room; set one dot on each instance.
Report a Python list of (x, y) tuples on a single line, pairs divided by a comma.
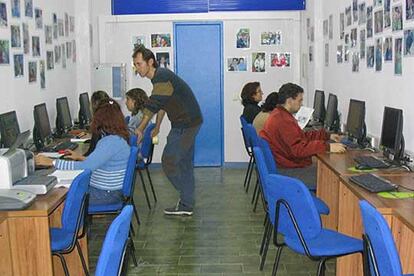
[(221, 137)]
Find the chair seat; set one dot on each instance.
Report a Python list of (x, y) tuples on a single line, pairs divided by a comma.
[(60, 239), (102, 208), (408, 275), (321, 206), (327, 243)]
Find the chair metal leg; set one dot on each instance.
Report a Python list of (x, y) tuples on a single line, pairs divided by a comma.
[(247, 172), (62, 260), (135, 210), (277, 259), (152, 186), (266, 246), (250, 175), (85, 268), (263, 238), (255, 190), (145, 189), (132, 230), (259, 191), (134, 258), (321, 267)]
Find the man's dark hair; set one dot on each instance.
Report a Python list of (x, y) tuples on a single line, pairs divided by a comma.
[(248, 91), (289, 90), (147, 54), (270, 103)]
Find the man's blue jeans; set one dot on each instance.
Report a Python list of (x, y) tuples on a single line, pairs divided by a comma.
[(178, 164)]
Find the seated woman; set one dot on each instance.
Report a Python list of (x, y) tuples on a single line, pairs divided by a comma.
[(251, 96), (108, 161), (267, 107), (135, 100)]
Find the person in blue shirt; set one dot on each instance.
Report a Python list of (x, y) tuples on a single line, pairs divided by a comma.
[(108, 161), (135, 100)]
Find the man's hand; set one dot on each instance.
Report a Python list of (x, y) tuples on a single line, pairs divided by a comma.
[(337, 148), (139, 133), (336, 137), (41, 160)]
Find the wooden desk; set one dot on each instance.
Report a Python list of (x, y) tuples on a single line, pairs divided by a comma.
[(25, 239), (342, 197)]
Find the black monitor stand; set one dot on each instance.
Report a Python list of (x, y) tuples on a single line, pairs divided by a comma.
[(39, 143), (398, 156)]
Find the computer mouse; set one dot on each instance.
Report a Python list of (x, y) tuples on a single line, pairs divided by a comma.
[(362, 167)]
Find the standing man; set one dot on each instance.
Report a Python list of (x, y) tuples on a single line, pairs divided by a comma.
[(171, 95)]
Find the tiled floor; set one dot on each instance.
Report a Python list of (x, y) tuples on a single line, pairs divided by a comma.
[(221, 238)]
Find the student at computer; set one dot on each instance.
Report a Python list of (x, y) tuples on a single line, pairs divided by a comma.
[(293, 148), (251, 95), (135, 100), (98, 97), (108, 161), (267, 107)]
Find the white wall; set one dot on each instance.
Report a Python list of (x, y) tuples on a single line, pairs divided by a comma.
[(377, 89)]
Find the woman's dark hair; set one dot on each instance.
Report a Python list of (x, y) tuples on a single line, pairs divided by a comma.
[(289, 90), (97, 98), (249, 89), (147, 54), (270, 103), (140, 98)]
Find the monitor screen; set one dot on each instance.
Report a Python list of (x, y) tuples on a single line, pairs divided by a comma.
[(63, 120), (356, 119), (85, 114), (331, 119), (319, 106), (9, 128), (42, 123), (392, 127)]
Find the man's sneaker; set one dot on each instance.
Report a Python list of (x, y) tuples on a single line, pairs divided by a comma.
[(179, 210)]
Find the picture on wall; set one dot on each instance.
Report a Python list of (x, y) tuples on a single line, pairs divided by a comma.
[(18, 65), (160, 40), (310, 53), (32, 71), (15, 8), (16, 40), (355, 10), (397, 22), (354, 37), (348, 16), (355, 62), (409, 42), (325, 28), (49, 60), (3, 15), (341, 25), (39, 18), (370, 57), (66, 24), (378, 54), (63, 56), (258, 62), (69, 50), (73, 51), (42, 74), (362, 14), (377, 3), (57, 54), (330, 26), (26, 42), (398, 56), (138, 40), (339, 54), (347, 40), (60, 27), (163, 59), (308, 28), (387, 14), (362, 40), (280, 59), (312, 33), (48, 34), (378, 21), (71, 24), (243, 38), (55, 26), (236, 64), (326, 54), (369, 21), (4, 52), (387, 49), (271, 38), (346, 53), (409, 9), (28, 8), (35, 46)]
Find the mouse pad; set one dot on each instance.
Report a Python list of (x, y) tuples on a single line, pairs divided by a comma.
[(396, 195), (353, 169)]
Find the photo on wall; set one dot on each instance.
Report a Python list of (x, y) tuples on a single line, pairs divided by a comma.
[(409, 42), (15, 8), (26, 41), (397, 21), (61, 27), (50, 60), (18, 65), (39, 18), (348, 16), (138, 40), (243, 38), (326, 54), (28, 8), (69, 50), (325, 28), (280, 60), (71, 24), (387, 49), (346, 53), (370, 57), (362, 41), (55, 25), (42, 74), (398, 56), (369, 21), (355, 62), (354, 37), (163, 59), (378, 54), (310, 53), (341, 25), (32, 71), (66, 24), (35, 46), (347, 40), (387, 14), (160, 40), (330, 29), (271, 38), (258, 62), (377, 3), (378, 21), (16, 40), (4, 52), (362, 17), (48, 34), (57, 54), (236, 64), (339, 54), (3, 15), (63, 56), (73, 50), (355, 10), (409, 9)]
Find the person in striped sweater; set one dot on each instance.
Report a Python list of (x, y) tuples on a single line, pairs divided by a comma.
[(108, 161)]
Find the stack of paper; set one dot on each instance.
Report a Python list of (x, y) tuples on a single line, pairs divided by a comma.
[(303, 116), (65, 178)]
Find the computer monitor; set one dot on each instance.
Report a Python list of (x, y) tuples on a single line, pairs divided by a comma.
[(9, 128), (319, 106), (355, 123), (85, 114), (42, 131), (332, 117), (392, 140), (63, 118)]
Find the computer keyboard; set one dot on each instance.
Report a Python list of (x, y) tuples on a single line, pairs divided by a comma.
[(373, 183), (61, 146), (349, 143), (371, 162)]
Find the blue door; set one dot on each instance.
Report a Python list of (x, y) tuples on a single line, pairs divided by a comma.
[(198, 60)]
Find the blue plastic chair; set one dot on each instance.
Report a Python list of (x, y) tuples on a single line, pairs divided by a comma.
[(249, 150), (293, 214), (379, 245), (127, 118), (115, 245), (64, 239)]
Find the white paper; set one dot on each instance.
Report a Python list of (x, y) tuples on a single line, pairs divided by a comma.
[(54, 155), (303, 116), (65, 178), (79, 140)]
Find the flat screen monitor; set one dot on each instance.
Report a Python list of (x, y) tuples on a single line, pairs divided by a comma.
[(9, 128), (319, 106), (63, 119), (392, 133), (355, 123), (42, 123), (331, 118), (85, 114)]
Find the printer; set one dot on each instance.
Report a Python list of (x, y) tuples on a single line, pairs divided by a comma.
[(16, 172)]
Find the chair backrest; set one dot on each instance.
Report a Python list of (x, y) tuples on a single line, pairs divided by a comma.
[(75, 203), (382, 243), (147, 146), (129, 178), (251, 135), (262, 167), (244, 134), (268, 155), (133, 140), (299, 199), (114, 246)]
